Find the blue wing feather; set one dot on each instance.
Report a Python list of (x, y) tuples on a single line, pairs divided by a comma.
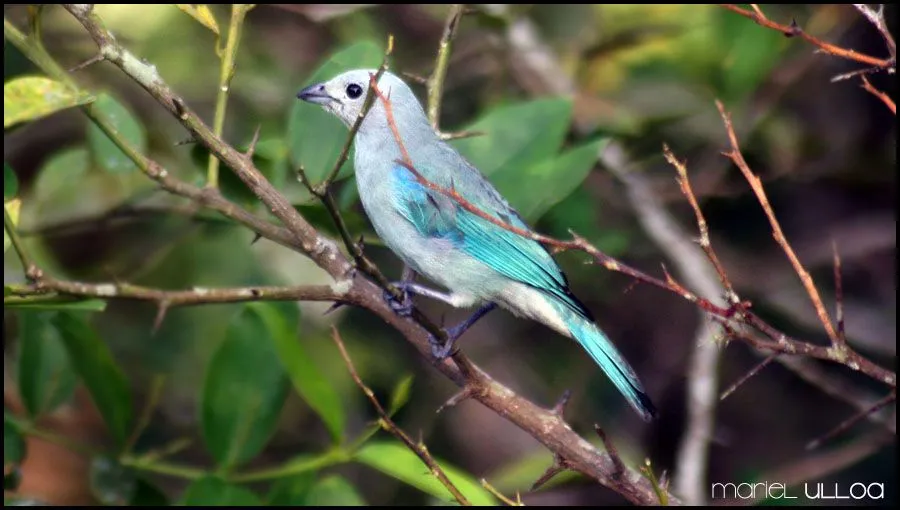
[(508, 253)]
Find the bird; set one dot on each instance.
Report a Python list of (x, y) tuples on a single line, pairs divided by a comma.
[(477, 261)]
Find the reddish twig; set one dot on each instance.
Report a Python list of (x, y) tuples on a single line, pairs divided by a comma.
[(756, 184), (868, 87), (685, 184), (793, 30)]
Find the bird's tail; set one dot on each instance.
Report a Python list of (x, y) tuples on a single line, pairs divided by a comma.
[(616, 368)]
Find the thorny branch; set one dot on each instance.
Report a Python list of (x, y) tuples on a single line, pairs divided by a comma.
[(876, 17), (794, 30), (388, 424), (299, 234)]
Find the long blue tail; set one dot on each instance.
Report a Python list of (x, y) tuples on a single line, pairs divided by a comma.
[(616, 368)]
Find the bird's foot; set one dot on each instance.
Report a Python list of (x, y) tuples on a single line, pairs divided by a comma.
[(441, 350), (402, 307)]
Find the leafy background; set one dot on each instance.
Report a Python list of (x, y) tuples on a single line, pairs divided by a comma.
[(251, 404)]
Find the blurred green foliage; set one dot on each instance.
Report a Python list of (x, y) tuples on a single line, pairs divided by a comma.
[(240, 378)]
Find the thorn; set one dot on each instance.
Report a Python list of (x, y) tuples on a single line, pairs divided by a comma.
[(91, 61), (611, 450), (180, 108), (795, 29), (186, 141), (463, 394), (256, 237), (559, 465), (333, 307), (253, 141), (560, 407), (160, 315)]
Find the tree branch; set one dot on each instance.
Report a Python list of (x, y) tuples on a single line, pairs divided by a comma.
[(540, 423), (793, 30)]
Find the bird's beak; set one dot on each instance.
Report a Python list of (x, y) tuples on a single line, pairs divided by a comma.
[(315, 94)]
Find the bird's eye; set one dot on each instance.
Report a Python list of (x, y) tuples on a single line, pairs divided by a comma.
[(354, 91)]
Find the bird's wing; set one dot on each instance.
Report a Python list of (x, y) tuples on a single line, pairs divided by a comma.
[(518, 258)]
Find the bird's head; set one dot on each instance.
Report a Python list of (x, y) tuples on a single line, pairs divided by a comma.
[(345, 94)]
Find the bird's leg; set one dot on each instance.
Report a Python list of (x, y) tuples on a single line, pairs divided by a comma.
[(402, 307), (442, 351)]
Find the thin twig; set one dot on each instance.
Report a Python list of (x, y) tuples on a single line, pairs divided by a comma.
[(756, 184), (876, 17), (435, 82), (685, 184), (868, 87), (794, 30), (388, 424), (226, 73), (746, 377), (499, 495), (851, 421), (31, 270), (195, 296)]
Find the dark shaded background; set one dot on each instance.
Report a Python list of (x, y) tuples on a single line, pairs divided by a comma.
[(644, 75)]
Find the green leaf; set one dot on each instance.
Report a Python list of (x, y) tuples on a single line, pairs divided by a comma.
[(395, 459), (334, 490), (104, 379), (202, 14), (303, 371), (244, 389), (400, 395), (46, 377), (517, 135), (104, 151), (57, 303), (111, 483), (316, 136), (10, 182), (534, 189), (291, 490), (211, 491), (31, 97), (13, 442)]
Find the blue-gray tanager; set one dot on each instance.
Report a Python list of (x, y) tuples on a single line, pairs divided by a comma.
[(480, 263)]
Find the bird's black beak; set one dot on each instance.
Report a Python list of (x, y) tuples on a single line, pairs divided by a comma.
[(315, 94)]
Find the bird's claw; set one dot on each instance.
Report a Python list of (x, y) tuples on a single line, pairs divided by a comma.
[(402, 307), (440, 350)]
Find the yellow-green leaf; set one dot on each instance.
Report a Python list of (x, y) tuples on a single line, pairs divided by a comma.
[(396, 460), (202, 14), (32, 97)]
